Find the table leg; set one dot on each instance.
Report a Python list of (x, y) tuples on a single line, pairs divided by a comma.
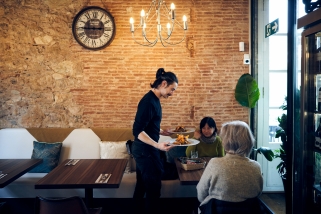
[(89, 197)]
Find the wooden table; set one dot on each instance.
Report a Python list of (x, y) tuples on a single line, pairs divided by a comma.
[(14, 168), (189, 177), (83, 175)]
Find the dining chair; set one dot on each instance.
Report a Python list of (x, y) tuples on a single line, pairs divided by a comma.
[(249, 206), (69, 205)]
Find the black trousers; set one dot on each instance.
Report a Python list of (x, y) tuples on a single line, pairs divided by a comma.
[(149, 170)]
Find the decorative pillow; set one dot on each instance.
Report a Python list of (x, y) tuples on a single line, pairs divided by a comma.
[(49, 152), (118, 149)]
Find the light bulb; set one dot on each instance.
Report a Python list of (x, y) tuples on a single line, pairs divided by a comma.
[(142, 18), (184, 22), (144, 29), (142, 13), (173, 11), (131, 21)]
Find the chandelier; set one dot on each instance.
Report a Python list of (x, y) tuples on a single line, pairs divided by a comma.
[(151, 29)]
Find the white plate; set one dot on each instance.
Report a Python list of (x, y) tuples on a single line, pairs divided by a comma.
[(188, 131), (192, 142)]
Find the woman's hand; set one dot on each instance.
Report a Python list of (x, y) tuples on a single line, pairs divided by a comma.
[(197, 134)]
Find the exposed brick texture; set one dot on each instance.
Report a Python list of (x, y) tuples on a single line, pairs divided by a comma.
[(49, 80)]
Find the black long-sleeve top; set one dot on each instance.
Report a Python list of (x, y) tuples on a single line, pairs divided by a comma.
[(148, 117)]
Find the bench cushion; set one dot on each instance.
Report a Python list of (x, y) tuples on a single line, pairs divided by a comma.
[(110, 150)]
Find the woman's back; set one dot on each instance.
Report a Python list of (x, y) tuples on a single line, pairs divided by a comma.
[(231, 178)]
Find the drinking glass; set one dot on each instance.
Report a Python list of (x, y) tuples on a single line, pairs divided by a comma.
[(194, 154)]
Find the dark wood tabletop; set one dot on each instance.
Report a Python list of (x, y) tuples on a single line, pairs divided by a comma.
[(189, 177), (83, 175), (15, 168)]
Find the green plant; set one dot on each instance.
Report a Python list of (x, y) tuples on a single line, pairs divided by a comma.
[(281, 167), (247, 92), (278, 153), (266, 151)]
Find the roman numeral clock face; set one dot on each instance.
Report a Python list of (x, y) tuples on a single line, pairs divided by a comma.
[(94, 28)]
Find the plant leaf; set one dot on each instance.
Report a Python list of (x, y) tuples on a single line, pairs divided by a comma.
[(247, 92), (267, 152)]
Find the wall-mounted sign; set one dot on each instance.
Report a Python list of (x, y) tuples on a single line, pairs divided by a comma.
[(272, 28)]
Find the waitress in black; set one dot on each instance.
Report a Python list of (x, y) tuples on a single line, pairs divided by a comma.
[(145, 149)]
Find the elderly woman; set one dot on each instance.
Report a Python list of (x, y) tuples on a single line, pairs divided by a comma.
[(234, 177)]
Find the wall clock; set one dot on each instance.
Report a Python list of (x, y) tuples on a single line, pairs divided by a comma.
[(94, 28)]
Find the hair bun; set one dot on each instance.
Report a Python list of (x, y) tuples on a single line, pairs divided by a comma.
[(160, 72)]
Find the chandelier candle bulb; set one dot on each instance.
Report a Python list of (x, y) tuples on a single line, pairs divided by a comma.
[(144, 27), (131, 21), (185, 22), (168, 29), (142, 18), (173, 10)]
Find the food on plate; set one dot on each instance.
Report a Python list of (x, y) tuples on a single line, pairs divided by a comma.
[(180, 129), (181, 140)]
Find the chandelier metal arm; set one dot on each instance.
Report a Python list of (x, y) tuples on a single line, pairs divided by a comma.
[(150, 7), (172, 29), (149, 44), (169, 43)]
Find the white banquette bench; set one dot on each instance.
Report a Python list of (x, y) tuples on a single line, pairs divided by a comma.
[(82, 143)]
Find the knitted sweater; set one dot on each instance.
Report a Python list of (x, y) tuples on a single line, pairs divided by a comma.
[(230, 178), (207, 150)]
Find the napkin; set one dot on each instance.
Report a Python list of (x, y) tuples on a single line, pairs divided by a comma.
[(72, 162), (2, 175), (75, 162), (103, 178)]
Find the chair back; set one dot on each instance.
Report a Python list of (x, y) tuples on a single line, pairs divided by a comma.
[(69, 205), (249, 206)]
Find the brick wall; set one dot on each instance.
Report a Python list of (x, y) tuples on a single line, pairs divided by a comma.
[(49, 80)]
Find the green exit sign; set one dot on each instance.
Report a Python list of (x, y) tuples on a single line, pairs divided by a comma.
[(272, 28)]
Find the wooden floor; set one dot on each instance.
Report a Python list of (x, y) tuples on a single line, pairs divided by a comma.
[(275, 202)]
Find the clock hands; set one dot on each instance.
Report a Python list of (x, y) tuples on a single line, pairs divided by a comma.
[(92, 28)]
